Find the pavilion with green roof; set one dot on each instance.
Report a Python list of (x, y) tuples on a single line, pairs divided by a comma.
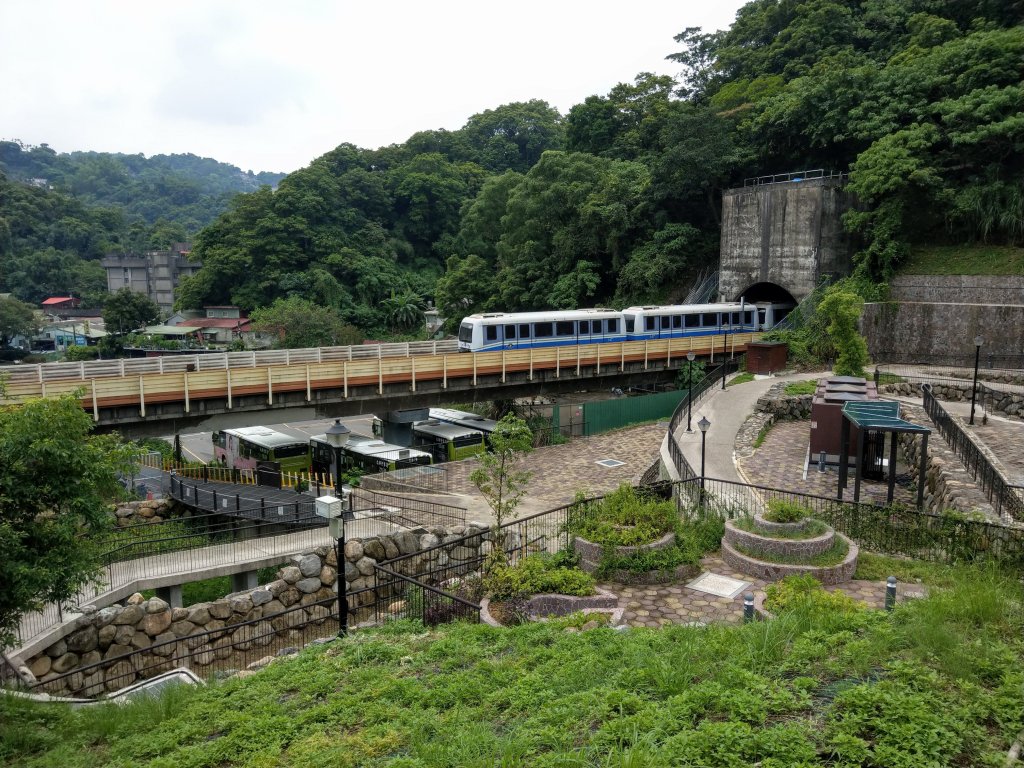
[(878, 416)]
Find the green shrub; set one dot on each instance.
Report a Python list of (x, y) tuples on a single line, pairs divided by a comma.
[(782, 511), (796, 388), (537, 575), (647, 560), (803, 591), (625, 518)]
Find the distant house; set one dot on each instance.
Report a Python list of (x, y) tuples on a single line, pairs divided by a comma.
[(221, 325), (62, 334), (154, 273), (55, 303)]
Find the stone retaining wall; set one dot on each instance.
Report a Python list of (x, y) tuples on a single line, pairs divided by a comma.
[(150, 511), (109, 634), (1009, 404), (774, 405), (764, 544), (835, 574), (948, 486)]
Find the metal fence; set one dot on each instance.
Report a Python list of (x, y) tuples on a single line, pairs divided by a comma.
[(986, 361), (781, 178), (895, 530), (700, 391), (1003, 496), (424, 479), (403, 511)]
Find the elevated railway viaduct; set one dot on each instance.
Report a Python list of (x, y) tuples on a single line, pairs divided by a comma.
[(155, 396)]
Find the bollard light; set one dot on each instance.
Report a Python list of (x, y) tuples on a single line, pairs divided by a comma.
[(748, 607), (890, 593)]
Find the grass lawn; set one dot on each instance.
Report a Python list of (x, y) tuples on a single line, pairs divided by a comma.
[(964, 260), (740, 378), (938, 682)]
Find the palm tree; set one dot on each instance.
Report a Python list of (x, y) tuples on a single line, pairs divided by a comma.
[(405, 309)]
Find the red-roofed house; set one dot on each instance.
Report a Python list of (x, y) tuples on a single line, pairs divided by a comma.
[(61, 302)]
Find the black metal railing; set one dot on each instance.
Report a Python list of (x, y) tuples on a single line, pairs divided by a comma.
[(405, 511), (423, 479), (1003, 496), (700, 391), (965, 362)]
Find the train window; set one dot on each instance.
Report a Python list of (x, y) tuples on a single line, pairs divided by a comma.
[(735, 318), (692, 321), (565, 328), (524, 331), (649, 323), (750, 318), (709, 319), (677, 321), (761, 313), (630, 325), (542, 330), (613, 325), (584, 327), (510, 332), (492, 332)]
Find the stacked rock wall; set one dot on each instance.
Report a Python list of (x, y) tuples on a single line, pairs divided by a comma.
[(142, 634), (774, 405), (1009, 404), (150, 511)]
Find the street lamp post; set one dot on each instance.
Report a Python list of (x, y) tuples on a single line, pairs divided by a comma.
[(978, 341), (704, 425), (689, 389), (333, 509)]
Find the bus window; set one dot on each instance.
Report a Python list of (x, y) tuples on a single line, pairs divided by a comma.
[(218, 439)]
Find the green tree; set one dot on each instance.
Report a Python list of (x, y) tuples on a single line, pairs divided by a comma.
[(467, 287), (16, 319), (56, 480), (404, 309), (296, 322), (128, 310), (843, 309), (500, 476)]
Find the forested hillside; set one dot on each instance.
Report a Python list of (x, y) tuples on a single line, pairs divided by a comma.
[(617, 202), (61, 213), (920, 101)]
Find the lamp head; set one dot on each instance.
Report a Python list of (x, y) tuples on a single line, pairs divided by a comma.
[(338, 434), (690, 355), (704, 425), (978, 341)]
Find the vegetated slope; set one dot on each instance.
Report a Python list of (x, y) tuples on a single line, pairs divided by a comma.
[(965, 259), (937, 683)]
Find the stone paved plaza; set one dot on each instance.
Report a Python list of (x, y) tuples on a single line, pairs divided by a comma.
[(663, 604)]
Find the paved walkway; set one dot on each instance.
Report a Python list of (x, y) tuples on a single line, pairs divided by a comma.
[(663, 604)]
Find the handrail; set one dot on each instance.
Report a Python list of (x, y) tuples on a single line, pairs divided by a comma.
[(780, 178)]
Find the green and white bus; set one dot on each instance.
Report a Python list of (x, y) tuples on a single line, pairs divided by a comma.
[(245, 447), (368, 454), (447, 442)]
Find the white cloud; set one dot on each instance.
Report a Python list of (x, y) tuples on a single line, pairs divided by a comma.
[(270, 86)]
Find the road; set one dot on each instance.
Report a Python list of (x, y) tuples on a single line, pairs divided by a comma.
[(198, 446)]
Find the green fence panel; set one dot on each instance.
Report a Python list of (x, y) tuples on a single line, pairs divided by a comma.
[(621, 412)]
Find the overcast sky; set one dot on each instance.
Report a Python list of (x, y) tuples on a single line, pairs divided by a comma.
[(269, 86)]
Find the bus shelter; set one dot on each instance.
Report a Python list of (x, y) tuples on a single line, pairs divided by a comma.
[(878, 416)]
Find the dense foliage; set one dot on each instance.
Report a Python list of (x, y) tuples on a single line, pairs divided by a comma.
[(61, 213), (935, 683), (537, 575), (626, 517), (55, 482)]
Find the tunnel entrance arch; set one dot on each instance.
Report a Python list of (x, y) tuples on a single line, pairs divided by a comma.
[(771, 293)]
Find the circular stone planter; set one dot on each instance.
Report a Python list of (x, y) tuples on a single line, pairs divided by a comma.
[(539, 607), (683, 572), (833, 574), (590, 552), (770, 527), (764, 544)]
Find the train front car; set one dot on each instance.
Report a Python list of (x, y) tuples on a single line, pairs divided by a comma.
[(523, 330)]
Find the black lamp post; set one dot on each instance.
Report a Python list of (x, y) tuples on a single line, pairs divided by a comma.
[(704, 425), (336, 437), (689, 389), (978, 341)]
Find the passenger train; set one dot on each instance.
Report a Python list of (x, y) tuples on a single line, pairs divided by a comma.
[(520, 330)]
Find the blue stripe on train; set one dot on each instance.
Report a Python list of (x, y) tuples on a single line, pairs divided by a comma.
[(644, 336)]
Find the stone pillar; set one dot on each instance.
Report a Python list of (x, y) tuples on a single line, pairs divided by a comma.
[(246, 580), (170, 595)]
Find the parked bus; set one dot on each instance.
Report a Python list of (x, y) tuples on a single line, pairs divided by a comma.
[(447, 442), (464, 419), (368, 454), (245, 447)]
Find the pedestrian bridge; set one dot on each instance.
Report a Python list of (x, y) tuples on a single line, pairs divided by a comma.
[(146, 394)]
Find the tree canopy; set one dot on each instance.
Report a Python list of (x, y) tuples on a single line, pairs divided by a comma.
[(127, 311), (56, 480)]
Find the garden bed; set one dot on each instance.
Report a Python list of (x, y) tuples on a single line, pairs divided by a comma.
[(541, 607)]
